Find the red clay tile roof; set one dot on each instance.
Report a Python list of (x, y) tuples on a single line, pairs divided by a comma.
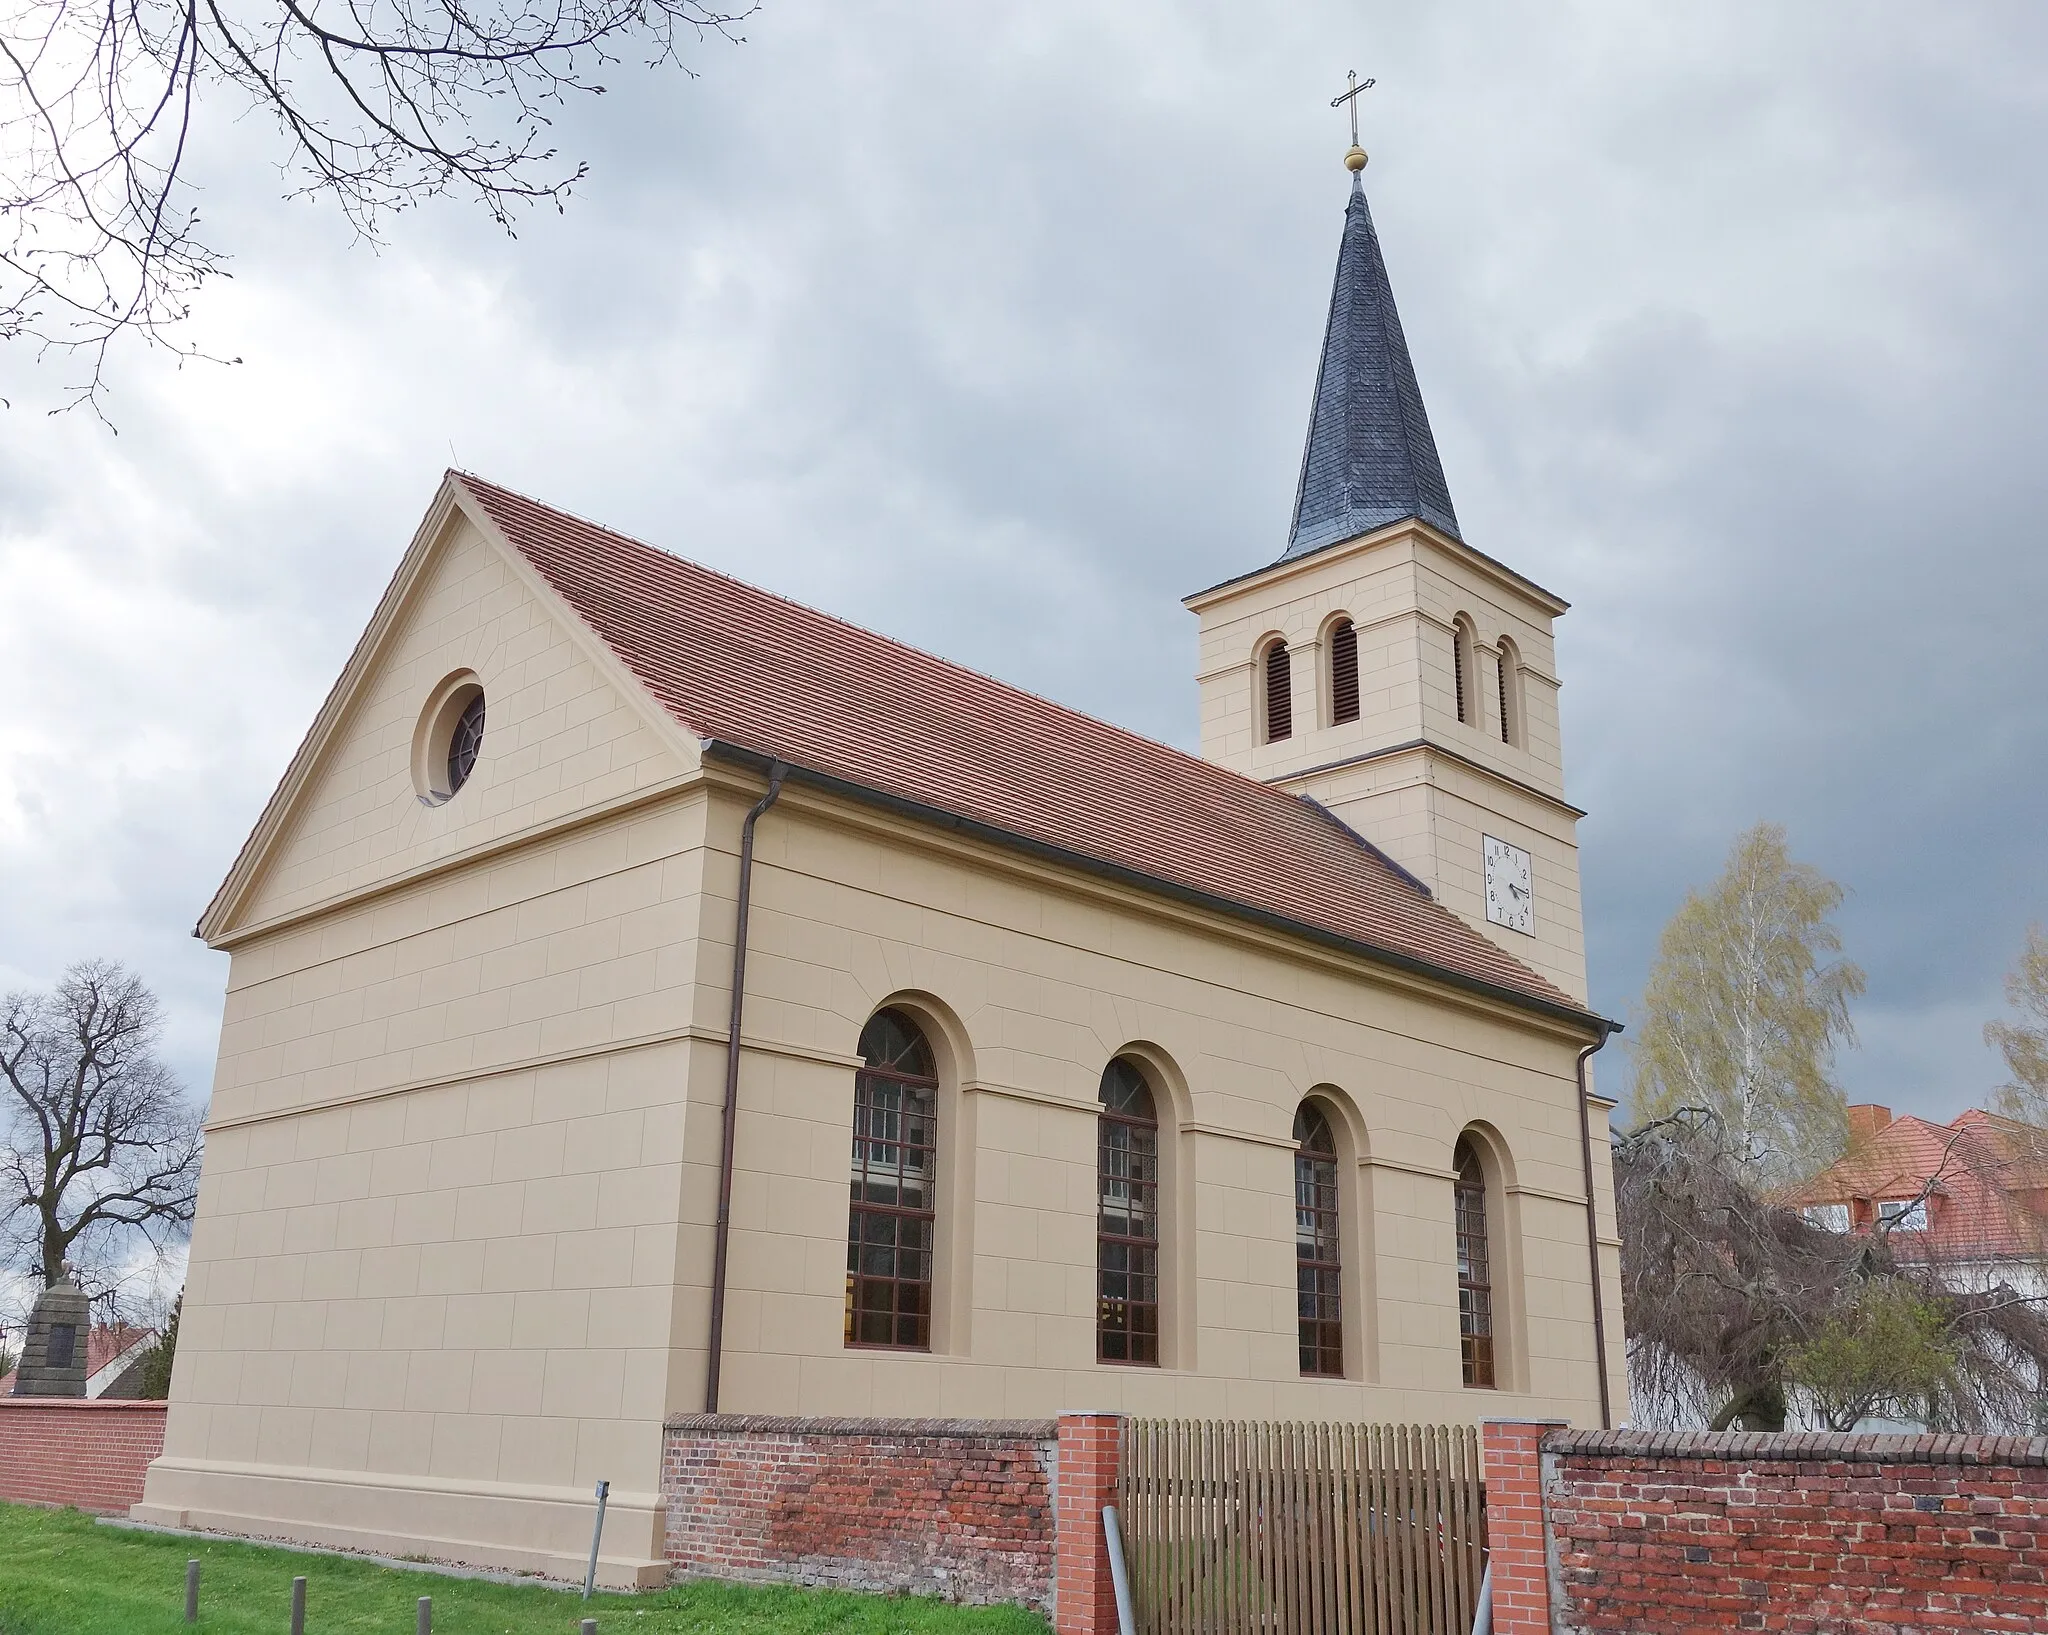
[(734, 663), (1989, 1198), (104, 1343)]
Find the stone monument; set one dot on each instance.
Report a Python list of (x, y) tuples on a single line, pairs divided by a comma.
[(53, 1352)]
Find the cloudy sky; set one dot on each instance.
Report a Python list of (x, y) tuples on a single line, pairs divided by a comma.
[(995, 330)]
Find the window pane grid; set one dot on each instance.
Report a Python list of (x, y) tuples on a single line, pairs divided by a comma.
[(1127, 1221), (1318, 1273), (1475, 1278), (895, 1160)]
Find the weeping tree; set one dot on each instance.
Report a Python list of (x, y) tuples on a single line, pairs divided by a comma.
[(374, 106), (1737, 1304)]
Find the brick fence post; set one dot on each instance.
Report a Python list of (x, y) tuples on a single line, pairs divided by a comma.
[(1084, 1598), (1512, 1459)]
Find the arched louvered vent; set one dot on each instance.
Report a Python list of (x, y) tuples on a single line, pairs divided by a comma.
[(1462, 669), (1344, 672), (1279, 694)]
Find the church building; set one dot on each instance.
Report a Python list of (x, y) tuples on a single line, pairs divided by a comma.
[(650, 996)]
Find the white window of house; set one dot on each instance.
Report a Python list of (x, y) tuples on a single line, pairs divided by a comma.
[(1903, 1214), (1828, 1217)]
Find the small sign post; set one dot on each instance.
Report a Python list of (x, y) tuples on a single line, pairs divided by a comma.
[(596, 1534)]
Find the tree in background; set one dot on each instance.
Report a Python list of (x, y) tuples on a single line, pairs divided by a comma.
[(1885, 1349), (1746, 1004), (2024, 1044), (1739, 1308), (100, 1150), (156, 1367), (377, 106)]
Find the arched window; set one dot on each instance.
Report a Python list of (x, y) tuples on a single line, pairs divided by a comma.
[(1318, 1268), (1127, 1219), (1343, 671), (1475, 1265), (1279, 694), (1510, 693), (1464, 669), (895, 1162)]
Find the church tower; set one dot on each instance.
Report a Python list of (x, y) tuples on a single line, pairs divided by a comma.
[(1389, 670)]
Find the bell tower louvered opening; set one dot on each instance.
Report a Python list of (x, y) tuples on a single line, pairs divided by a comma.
[(1279, 694), (1343, 672)]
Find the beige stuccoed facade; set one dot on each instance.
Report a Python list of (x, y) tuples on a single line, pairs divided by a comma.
[(1421, 782), (454, 1243)]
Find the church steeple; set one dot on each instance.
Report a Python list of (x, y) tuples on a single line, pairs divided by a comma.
[(1370, 458), (1382, 668)]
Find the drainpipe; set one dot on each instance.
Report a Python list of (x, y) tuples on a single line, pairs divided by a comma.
[(722, 1231), (1607, 1031)]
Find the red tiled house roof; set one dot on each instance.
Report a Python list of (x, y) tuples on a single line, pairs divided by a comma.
[(773, 678), (1986, 1180), (104, 1343)]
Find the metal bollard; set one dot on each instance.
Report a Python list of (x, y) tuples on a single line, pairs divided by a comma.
[(298, 1606), (191, 1592), (426, 1622)]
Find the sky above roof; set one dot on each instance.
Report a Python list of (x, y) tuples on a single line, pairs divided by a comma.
[(998, 335)]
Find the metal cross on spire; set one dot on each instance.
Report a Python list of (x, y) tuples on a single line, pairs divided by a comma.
[(1355, 159)]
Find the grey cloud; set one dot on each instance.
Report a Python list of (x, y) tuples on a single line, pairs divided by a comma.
[(996, 331)]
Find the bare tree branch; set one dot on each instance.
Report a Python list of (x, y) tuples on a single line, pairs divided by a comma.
[(101, 1148), (380, 104)]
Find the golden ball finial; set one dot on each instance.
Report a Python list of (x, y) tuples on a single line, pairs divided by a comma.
[(1354, 161)]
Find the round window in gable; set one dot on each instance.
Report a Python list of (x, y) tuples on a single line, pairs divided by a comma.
[(449, 738)]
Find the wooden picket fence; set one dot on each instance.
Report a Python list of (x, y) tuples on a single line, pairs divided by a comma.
[(1234, 1526)]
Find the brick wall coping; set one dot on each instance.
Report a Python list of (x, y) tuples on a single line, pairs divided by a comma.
[(1030, 1430), (1802, 1447), (104, 1405)]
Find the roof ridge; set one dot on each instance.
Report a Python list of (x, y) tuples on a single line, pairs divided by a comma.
[(733, 661), (1222, 774)]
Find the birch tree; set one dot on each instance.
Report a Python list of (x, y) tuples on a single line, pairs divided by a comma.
[(1745, 1007), (2024, 1044)]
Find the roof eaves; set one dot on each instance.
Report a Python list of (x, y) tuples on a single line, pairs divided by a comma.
[(1011, 840)]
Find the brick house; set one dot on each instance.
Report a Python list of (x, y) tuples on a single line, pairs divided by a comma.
[(1971, 1194)]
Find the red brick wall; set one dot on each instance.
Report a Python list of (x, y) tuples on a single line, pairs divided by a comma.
[(1668, 1533), (67, 1450), (955, 1507), (1509, 1451), (1091, 1446)]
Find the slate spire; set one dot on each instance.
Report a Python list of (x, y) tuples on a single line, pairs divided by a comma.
[(1370, 459)]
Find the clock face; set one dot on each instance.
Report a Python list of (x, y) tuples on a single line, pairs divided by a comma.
[(1510, 898)]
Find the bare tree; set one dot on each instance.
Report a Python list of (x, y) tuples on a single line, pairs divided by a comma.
[(378, 105), (1736, 1302), (1745, 1007), (101, 1148)]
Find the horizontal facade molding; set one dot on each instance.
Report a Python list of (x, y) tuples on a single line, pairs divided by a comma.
[(1576, 1200), (1387, 959), (1415, 746), (528, 1064), (425, 873), (1018, 1092), (1309, 644), (315, 1476)]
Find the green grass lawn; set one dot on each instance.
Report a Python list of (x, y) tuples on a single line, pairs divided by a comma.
[(62, 1575)]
